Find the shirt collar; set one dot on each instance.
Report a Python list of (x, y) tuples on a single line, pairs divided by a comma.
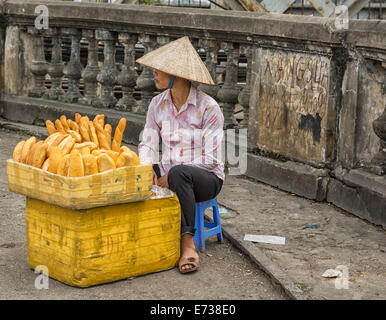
[(191, 100)]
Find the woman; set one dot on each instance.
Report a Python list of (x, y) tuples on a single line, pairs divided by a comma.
[(190, 124)]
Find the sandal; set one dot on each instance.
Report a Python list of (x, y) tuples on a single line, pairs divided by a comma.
[(191, 260)]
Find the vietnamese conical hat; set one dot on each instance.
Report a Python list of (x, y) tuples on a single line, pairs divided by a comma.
[(178, 58)]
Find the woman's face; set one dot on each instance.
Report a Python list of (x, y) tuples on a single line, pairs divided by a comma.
[(161, 79)]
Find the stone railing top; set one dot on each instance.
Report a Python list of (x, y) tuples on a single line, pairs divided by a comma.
[(236, 26)]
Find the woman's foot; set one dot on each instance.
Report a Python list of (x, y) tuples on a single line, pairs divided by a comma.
[(188, 254)]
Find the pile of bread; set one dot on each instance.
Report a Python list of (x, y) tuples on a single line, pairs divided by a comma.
[(77, 148)]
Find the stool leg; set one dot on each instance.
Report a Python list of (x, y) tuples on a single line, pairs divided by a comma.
[(197, 234), (202, 237), (217, 221)]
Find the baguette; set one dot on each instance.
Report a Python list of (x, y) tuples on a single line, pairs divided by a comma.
[(105, 162), (116, 145), (88, 144), (59, 126), (75, 166), (93, 134), (90, 164), (108, 130), (26, 148), (103, 143), (46, 164), (63, 120), (73, 126), (114, 155), (18, 151), (77, 118), (50, 127), (84, 128)]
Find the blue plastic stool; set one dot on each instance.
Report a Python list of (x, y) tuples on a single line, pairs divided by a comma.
[(214, 227)]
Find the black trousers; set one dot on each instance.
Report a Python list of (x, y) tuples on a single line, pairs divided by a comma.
[(191, 184)]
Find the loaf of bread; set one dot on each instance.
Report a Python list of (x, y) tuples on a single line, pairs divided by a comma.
[(26, 149), (116, 144), (17, 152), (124, 159), (40, 154), (77, 118), (75, 166), (87, 144), (77, 137), (108, 130), (55, 158), (32, 152), (105, 162), (90, 164), (74, 126), (114, 155), (67, 144), (136, 160), (84, 151), (59, 126), (63, 165), (45, 165), (93, 133), (84, 128), (63, 120), (103, 142), (50, 127)]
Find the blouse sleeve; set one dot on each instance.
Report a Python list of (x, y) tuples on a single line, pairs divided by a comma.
[(148, 148), (212, 136)]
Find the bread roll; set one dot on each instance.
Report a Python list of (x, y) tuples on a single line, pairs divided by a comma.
[(51, 137), (40, 155), (75, 135), (55, 158), (59, 126), (124, 159), (67, 144), (116, 144), (26, 148), (90, 164), (31, 153), (75, 166), (50, 127), (63, 165), (105, 162), (18, 151), (84, 128), (88, 144), (136, 160), (114, 155), (46, 164)]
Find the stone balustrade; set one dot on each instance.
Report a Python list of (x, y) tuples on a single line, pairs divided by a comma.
[(312, 95)]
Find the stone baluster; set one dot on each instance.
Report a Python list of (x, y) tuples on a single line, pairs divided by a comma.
[(39, 66), (145, 81), (109, 74), (245, 93), (211, 48), (91, 71), (55, 68), (128, 76), (228, 93), (73, 70), (378, 165)]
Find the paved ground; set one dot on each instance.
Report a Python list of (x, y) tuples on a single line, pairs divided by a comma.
[(225, 272), (255, 208)]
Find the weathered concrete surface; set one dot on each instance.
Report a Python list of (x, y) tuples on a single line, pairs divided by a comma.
[(371, 103), (340, 239), (293, 104), (294, 177), (361, 193), (225, 272)]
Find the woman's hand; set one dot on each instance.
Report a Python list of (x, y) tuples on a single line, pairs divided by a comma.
[(163, 181), (155, 179)]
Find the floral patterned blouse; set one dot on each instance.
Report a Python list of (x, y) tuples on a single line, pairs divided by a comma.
[(191, 136)]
